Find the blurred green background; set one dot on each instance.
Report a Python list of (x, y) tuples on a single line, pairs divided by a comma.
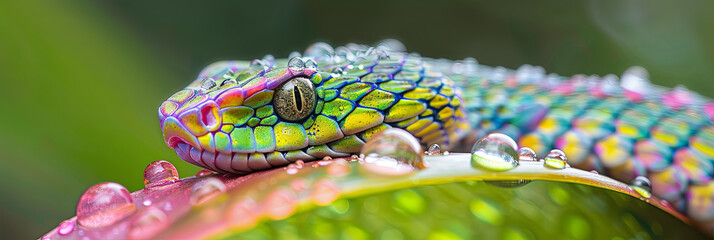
[(81, 80)]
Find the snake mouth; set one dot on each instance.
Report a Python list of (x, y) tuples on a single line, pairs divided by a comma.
[(236, 163)]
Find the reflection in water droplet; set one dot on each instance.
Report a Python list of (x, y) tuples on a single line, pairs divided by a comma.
[(104, 204), (527, 154), (433, 149), (159, 173), (206, 189), (296, 64), (392, 152), (555, 159), (208, 84), (150, 223), (642, 186), (65, 227), (508, 183), (204, 172), (495, 151)]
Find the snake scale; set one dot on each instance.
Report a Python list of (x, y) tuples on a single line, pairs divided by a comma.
[(245, 116)]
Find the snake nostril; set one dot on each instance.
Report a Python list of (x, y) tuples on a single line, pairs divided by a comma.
[(210, 116)]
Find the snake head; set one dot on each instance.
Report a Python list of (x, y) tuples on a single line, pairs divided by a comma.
[(235, 113), (238, 118)]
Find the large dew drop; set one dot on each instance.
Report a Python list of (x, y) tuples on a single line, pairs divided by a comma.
[(495, 151), (393, 152), (159, 173), (296, 64), (104, 204), (555, 159)]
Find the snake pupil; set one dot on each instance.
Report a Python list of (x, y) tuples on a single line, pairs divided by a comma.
[(298, 98)]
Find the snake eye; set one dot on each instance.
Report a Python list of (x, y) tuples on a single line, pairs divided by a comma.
[(295, 99)]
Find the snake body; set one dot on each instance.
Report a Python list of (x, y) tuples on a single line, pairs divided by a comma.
[(246, 116)]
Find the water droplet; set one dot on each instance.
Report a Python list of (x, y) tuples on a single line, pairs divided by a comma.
[(299, 164), (291, 169), (555, 159), (208, 84), (206, 190), (319, 49), (311, 64), (296, 64), (259, 65), (228, 82), (527, 154), (294, 54), (65, 228), (642, 186), (433, 149), (146, 202), (636, 80), (392, 152), (392, 45), (508, 183), (104, 204), (594, 171), (204, 172), (159, 173), (151, 222), (495, 151)]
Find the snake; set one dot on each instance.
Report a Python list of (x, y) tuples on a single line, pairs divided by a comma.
[(246, 116)]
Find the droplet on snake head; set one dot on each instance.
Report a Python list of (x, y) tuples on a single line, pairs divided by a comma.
[(523, 72), (391, 45), (229, 82), (104, 204), (508, 183), (319, 50), (150, 223), (294, 54), (495, 151), (392, 152), (269, 58), (311, 64), (259, 65), (642, 186), (527, 154), (433, 149), (470, 66), (65, 228), (160, 173), (204, 172), (296, 64), (206, 189), (457, 67), (555, 159), (208, 84), (636, 80)]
